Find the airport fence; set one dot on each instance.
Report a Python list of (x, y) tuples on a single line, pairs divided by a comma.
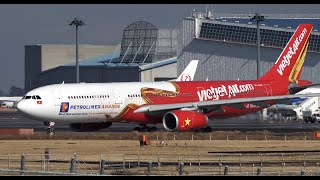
[(212, 164)]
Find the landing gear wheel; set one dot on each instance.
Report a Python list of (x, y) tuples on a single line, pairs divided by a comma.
[(153, 129), (207, 129), (145, 129), (201, 130), (50, 129)]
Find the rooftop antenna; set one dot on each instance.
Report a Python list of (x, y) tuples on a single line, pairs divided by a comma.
[(206, 9)]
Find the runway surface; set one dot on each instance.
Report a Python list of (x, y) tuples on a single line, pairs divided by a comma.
[(14, 119)]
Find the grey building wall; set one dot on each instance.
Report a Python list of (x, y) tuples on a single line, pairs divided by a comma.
[(166, 45), (166, 72), (54, 55), (93, 74), (229, 61), (32, 66), (39, 58)]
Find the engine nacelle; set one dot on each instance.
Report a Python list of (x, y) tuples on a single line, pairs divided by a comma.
[(178, 120), (90, 126)]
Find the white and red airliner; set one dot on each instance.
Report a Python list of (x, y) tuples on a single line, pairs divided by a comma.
[(179, 105)]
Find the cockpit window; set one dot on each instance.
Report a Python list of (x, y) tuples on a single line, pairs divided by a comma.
[(33, 97), (38, 97), (28, 97)]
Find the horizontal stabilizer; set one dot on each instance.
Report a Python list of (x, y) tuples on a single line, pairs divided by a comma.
[(296, 89)]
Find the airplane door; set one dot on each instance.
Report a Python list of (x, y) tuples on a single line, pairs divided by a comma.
[(116, 101), (56, 96), (268, 89), (116, 97)]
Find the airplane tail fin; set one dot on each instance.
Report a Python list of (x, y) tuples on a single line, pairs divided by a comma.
[(289, 63), (189, 71)]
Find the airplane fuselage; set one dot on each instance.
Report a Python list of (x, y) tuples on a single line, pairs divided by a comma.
[(101, 102)]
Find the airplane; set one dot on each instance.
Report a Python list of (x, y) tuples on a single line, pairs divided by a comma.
[(179, 106), (295, 102), (9, 101)]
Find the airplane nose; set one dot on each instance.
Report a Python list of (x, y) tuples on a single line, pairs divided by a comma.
[(21, 106)]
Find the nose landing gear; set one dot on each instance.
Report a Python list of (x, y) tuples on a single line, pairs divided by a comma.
[(50, 128)]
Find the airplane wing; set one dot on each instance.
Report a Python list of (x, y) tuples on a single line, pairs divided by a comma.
[(215, 104)]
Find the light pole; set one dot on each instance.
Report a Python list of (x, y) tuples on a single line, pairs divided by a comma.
[(263, 113), (258, 18), (77, 23)]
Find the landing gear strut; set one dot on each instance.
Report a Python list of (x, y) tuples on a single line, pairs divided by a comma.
[(205, 129), (50, 128), (145, 128)]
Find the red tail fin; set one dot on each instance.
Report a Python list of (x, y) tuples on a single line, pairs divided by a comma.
[(289, 63)]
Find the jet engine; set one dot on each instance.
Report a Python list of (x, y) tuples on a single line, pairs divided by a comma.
[(90, 126), (178, 120)]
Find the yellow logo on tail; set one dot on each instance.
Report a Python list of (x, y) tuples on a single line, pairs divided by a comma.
[(297, 67)]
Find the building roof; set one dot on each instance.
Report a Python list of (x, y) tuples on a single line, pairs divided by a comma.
[(104, 60), (98, 60), (282, 23), (158, 64)]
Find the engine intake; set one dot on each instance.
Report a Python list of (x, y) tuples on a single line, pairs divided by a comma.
[(178, 120)]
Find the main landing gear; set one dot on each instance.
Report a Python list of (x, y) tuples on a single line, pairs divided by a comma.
[(145, 128), (50, 128), (205, 129)]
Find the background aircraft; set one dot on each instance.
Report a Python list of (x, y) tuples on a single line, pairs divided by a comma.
[(9, 102), (189, 72)]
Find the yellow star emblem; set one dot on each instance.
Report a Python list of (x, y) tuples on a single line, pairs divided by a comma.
[(187, 121)]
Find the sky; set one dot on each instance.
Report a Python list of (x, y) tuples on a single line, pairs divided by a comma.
[(29, 24)]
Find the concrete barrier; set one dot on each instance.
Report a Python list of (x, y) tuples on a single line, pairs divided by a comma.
[(16, 131)]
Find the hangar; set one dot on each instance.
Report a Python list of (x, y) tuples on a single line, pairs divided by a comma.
[(226, 45), (144, 49)]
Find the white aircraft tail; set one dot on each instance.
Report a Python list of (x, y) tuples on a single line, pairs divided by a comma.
[(189, 71)]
